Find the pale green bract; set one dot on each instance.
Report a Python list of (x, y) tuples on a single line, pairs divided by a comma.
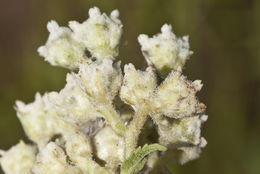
[(93, 124)]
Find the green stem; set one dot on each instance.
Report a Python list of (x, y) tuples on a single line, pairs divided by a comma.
[(134, 129), (114, 119)]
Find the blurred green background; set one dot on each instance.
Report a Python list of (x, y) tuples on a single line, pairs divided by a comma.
[(225, 38)]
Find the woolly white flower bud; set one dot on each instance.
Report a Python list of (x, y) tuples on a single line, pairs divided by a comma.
[(101, 80), (177, 132), (100, 34), (137, 86), (176, 97), (38, 122), (19, 159), (182, 134), (61, 49), (165, 51), (110, 147), (72, 103)]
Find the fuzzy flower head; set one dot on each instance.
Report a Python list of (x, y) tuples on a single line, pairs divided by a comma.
[(93, 124)]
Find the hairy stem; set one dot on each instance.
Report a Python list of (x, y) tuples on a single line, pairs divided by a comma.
[(114, 119), (134, 129)]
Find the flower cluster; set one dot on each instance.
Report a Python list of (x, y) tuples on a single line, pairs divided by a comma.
[(93, 124)]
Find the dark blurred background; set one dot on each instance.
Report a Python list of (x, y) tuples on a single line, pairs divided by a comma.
[(225, 38)]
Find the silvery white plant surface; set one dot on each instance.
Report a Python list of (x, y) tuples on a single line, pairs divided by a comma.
[(95, 124)]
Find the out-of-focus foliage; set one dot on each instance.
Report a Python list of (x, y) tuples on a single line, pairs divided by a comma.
[(225, 38)]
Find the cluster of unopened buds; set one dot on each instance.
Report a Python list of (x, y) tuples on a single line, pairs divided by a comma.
[(105, 120)]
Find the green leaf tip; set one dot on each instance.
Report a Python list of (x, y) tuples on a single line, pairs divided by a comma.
[(136, 161)]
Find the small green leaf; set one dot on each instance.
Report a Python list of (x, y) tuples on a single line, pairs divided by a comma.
[(135, 162)]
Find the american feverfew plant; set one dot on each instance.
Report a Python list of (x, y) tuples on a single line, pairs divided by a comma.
[(105, 120)]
